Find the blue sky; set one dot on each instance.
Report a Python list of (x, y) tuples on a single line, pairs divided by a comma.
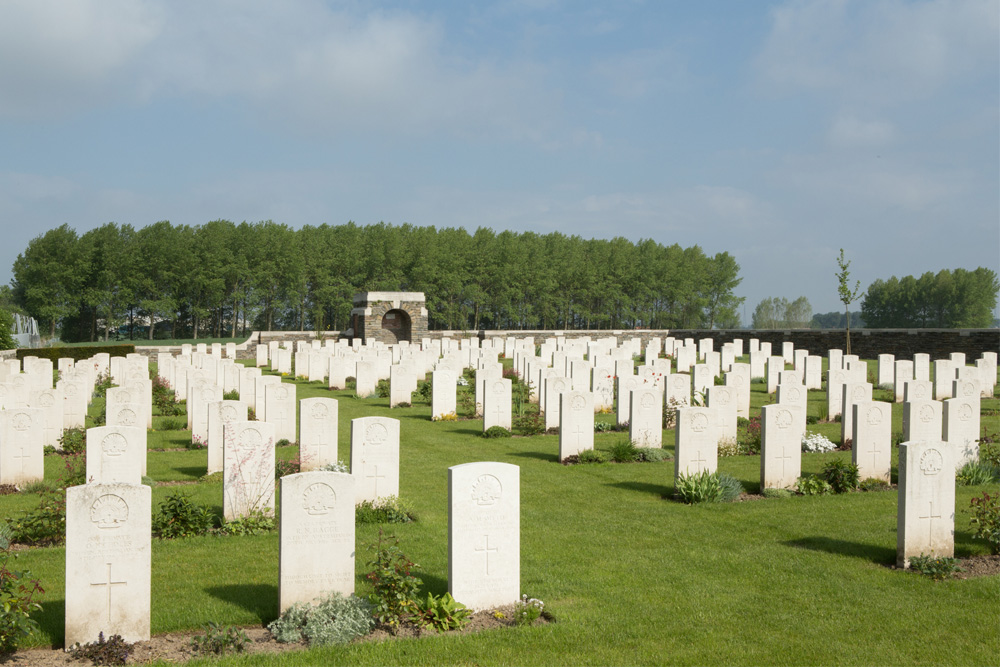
[(779, 132)]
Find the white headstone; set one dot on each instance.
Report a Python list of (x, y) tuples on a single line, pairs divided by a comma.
[(697, 442), (108, 562), (484, 534), (318, 424), (115, 454), (960, 428), (871, 449), (922, 420), (645, 427), (781, 446), (248, 469), (576, 422), (316, 538), (281, 402), (21, 449), (925, 523), (221, 413), (375, 457)]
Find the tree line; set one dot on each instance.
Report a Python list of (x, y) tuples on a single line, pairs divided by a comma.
[(958, 299), (224, 279)]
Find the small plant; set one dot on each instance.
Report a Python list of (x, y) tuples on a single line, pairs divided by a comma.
[(73, 440), (394, 587), (603, 427), (172, 424), (591, 456), (441, 613), (812, 485), (814, 442), (382, 389), (111, 651), (977, 473), (707, 487), (528, 610), (449, 417), (389, 509), (102, 383), (426, 390), (989, 452), (335, 619), (37, 486), (339, 466), (841, 475), (986, 519), (220, 640), (776, 493), (284, 467), (178, 516), (624, 451), (403, 404), (748, 435), (196, 442), (874, 484), (651, 454), (231, 395), (17, 590), (496, 432), (937, 568), (46, 524), (529, 423), (257, 522), (284, 442), (729, 447)]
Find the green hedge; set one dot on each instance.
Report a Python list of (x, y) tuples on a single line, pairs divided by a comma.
[(74, 353)]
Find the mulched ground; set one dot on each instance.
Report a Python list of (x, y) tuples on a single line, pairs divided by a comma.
[(175, 647)]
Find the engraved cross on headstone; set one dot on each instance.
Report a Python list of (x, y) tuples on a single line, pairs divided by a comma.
[(874, 453), (376, 477), (21, 456), (499, 411), (487, 549), (110, 584), (784, 457), (578, 432), (700, 460), (930, 520)]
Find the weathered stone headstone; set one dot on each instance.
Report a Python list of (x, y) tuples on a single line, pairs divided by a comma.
[(576, 422), (645, 427), (281, 402), (814, 372), (775, 365), (484, 534), (697, 441), (497, 404), (443, 394), (853, 392), (739, 378), (21, 449), (781, 446), (554, 388), (318, 424), (918, 390), (903, 374), (723, 400), (375, 457), (316, 536), (871, 449), (115, 454), (366, 378), (925, 523), (248, 469), (922, 420), (51, 405), (944, 374), (221, 413), (960, 428), (108, 562), (626, 385)]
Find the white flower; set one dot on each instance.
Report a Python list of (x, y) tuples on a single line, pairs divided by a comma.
[(814, 442)]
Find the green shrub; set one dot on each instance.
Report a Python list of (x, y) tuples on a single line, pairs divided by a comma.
[(170, 424), (388, 509), (986, 519), (231, 395), (102, 383), (989, 452), (73, 440), (624, 451), (335, 619), (17, 591), (813, 485), (255, 523), (591, 456), (284, 467), (111, 651), (220, 640), (528, 610), (496, 432), (37, 486), (776, 493), (977, 473), (841, 475), (603, 427), (530, 423), (874, 484), (46, 524), (394, 587), (441, 613), (730, 488), (651, 454), (937, 568), (426, 390), (284, 442), (178, 516), (748, 435), (382, 389), (707, 487)]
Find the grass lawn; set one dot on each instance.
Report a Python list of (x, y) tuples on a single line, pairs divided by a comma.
[(631, 577)]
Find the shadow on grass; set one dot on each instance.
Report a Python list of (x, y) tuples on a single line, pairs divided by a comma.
[(875, 554), (52, 619), (541, 456), (196, 472), (645, 487), (259, 599)]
